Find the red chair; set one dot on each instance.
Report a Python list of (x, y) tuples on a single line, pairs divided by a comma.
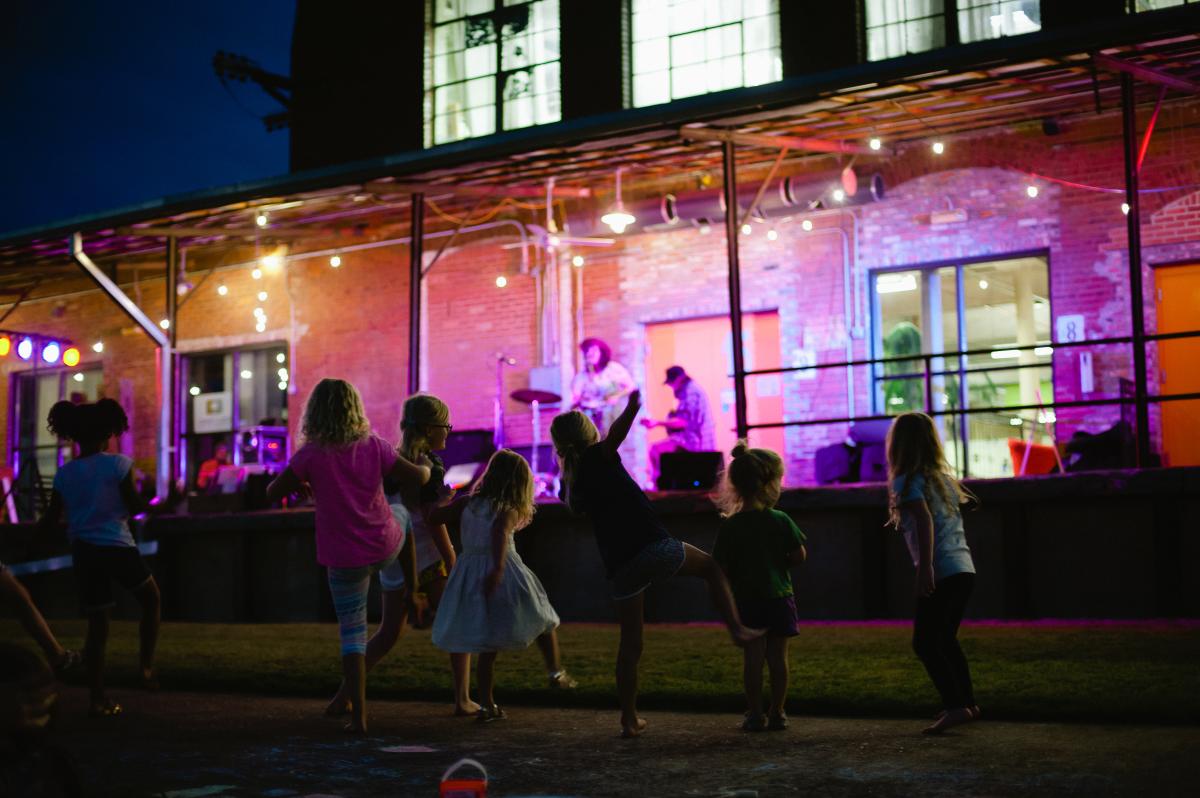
[(1042, 459)]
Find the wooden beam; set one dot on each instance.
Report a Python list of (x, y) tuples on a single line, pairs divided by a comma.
[(777, 142), (474, 190), (1148, 74)]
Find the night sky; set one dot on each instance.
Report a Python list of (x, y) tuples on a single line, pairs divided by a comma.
[(104, 105)]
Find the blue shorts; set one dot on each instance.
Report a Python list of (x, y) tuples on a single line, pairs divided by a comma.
[(659, 560)]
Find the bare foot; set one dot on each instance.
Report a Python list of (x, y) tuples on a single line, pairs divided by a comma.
[(467, 710), (949, 719), (338, 707), (356, 728), (635, 729), (744, 635)]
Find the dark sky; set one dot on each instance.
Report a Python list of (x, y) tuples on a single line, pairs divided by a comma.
[(107, 104)]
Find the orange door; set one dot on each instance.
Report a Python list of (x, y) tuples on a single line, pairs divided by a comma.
[(1179, 311), (704, 347)]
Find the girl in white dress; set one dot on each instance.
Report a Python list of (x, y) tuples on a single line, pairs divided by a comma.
[(493, 601)]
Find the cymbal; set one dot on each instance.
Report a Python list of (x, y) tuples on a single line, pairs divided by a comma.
[(531, 395)]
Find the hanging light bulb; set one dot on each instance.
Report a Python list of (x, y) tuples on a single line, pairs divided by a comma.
[(262, 220), (272, 262), (577, 261), (262, 296), (839, 195), (938, 148), (1031, 191), (222, 289), (98, 347), (772, 235), (617, 217), (501, 281), (807, 225), (165, 324), (747, 229), (256, 274), (875, 144), (335, 261)]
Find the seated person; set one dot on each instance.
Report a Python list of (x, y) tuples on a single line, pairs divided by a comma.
[(209, 468), (689, 426)]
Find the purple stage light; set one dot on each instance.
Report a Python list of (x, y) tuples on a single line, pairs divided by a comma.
[(25, 348), (51, 352)]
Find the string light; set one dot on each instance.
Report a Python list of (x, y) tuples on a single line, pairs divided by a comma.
[(335, 261), (272, 262), (256, 274), (1032, 191), (262, 220), (705, 229), (165, 324), (577, 261), (283, 374), (281, 358), (807, 225), (194, 390), (1125, 208), (875, 144), (261, 326), (501, 281), (77, 376), (747, 229), (262, 296), (98, 347), (247, 374), (222, 289), (983, 284), (259, 313), (772, 235), (282, 385), (938, 148), (839, 195)]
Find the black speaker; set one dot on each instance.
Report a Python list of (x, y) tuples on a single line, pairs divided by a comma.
[(684, 470), (467, 446)]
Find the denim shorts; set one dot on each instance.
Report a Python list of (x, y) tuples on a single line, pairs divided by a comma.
[(661, 559)]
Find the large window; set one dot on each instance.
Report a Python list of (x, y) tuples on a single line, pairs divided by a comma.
[(233, 398), (900, 27), (1154, 5), (36, 453), (991, 306), (490, 65), (682, 48)]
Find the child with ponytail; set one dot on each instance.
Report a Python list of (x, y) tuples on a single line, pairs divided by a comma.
[(757, 546)]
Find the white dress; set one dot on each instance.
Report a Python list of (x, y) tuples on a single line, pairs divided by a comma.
[(516, 614)]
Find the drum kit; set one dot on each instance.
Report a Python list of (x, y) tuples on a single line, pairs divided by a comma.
[(545, 484)]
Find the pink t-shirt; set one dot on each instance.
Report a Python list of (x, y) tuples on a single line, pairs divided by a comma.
[(355, 526)]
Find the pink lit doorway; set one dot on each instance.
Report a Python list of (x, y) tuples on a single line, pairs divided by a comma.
[(704, 348)]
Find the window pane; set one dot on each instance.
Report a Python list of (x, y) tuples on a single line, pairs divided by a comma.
[(477, 6), (482, 121), (704, 44), (548, 107), (479, 92), (448, 38), (980, 19), (446, 9), (479, 61), (518, 113)]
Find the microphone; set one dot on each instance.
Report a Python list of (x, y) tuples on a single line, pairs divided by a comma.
[(503, 358)]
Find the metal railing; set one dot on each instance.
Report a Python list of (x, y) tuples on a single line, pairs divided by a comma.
[(929, 373)]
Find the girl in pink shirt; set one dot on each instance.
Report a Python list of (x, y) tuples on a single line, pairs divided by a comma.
[(343, 464)]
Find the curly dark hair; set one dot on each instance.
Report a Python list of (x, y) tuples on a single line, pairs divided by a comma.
[(87, 423)]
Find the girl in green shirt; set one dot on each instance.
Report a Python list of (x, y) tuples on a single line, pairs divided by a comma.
[(757, 546)]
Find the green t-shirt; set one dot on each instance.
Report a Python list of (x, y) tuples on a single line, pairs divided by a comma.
[(753, 548)]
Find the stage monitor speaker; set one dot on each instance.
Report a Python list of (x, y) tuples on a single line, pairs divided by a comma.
[(467, 446), (684, 470)]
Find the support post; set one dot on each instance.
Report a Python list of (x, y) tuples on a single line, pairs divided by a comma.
[(167, 467), (1134, 226), (732, 231), (416, 253)]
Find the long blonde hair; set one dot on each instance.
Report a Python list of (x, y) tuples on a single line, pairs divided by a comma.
[(334, 415), (914, 448), (507, 483), (572, 432), (753, 477), (421, 411)]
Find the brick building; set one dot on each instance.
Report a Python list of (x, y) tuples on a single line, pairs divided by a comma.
[(999, 231)]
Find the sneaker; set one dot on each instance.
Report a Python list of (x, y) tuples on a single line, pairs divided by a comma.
[(777, 722), (562, 681), (754, 723)]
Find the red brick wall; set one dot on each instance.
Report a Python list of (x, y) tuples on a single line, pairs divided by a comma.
[(352, 322)]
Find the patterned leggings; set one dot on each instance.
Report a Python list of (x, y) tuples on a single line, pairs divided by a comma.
[(349, 587)]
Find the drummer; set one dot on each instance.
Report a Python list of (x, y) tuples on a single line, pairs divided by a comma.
[(600, 389)]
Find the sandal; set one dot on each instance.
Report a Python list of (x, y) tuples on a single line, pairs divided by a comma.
[(105, 709), (754, 723), (489, 714), (69, 661), (777, 722), (562, 681)]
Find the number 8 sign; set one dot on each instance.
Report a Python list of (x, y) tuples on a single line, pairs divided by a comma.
[(1068, 329)]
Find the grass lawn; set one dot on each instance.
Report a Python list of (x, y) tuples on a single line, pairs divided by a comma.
[(1074, 671)]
